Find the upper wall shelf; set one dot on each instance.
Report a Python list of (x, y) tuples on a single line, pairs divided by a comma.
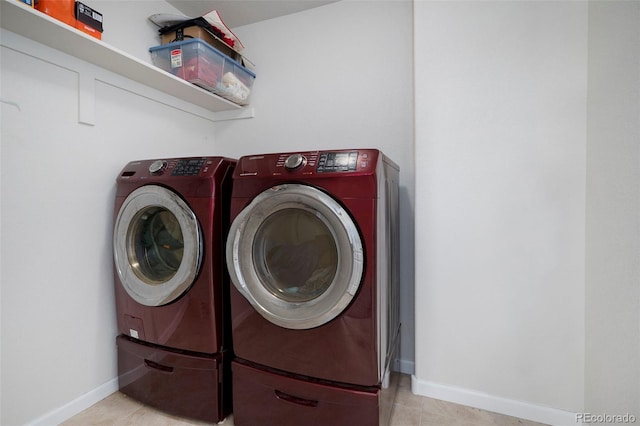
[(25, 21)]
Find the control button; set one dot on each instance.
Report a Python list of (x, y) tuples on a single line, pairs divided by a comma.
[(157, 167), (294, 161), (353, 160)]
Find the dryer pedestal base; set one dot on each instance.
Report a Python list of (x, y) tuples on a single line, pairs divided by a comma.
[(184, 385), (267, 398)]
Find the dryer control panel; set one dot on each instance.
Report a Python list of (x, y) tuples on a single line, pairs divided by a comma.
[(291, 165), (326, 161)]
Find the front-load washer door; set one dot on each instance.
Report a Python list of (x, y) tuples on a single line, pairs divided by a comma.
[(157, 245), (296, 255)]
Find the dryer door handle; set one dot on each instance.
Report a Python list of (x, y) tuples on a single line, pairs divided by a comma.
[(154, 365), (296, 399)]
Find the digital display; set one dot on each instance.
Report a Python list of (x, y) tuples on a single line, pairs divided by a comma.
[(337, 161), (188, 167)]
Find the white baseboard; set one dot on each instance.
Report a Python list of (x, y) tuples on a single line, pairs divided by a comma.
[(523, 410), (79, 404), (510, 407)]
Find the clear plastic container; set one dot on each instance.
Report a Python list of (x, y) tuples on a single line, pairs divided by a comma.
[(200, 63)]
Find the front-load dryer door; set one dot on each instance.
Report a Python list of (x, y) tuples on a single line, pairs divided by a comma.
[(296, 256), (157, 245)]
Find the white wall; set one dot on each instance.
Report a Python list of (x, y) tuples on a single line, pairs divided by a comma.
[(127, 26), (500, 193), (58, 181), (338, 76), (612, 371)]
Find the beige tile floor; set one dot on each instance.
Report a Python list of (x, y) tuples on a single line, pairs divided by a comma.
[(408, 410)]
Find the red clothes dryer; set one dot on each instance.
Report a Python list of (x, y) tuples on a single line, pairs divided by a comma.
[(171, 284), (312, 254)]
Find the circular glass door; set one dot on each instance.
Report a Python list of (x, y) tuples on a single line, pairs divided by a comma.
[(296, 256), (157, 245)]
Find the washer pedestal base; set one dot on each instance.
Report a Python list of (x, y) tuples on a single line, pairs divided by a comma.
[(185, 385), (268, 398)]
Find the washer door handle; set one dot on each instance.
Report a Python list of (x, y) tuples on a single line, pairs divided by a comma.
[(296, 399)]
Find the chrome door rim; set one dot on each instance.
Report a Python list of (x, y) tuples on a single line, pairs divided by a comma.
[(350, 264), (148, 291)]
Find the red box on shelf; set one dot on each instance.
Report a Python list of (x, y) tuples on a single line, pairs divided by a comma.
[(88, 30), (73, 13), (62, 10)]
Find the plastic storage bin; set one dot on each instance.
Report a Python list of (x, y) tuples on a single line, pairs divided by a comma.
[(203, 65)]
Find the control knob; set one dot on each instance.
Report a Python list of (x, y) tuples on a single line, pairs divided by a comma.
[(157, 167), (294, 161)]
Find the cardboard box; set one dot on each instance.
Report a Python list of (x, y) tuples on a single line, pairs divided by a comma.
[(88, 30), (196, 31), (62, 10), (88, 16), (73, 13)]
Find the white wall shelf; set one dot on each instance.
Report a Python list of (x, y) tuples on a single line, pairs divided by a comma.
[(30, 23)]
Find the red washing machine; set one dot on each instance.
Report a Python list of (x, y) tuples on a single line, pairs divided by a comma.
[(171, 284), (313, 257)]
